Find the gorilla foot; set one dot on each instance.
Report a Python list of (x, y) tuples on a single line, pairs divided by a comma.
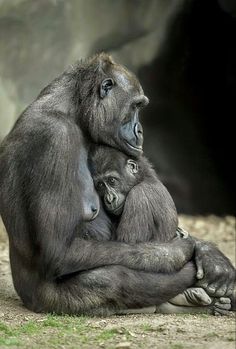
[(222, 306), (146, 310), (194, 296)]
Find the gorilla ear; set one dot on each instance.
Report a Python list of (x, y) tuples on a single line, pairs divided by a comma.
[(132, 166), (105, 87)]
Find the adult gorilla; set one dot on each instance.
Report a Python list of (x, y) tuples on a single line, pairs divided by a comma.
[(48, 203)]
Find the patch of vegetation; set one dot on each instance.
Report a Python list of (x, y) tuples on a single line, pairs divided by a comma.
[(107, 334), (148, 328), (212, 335), (230, 339), (59, 329), (176, 346)]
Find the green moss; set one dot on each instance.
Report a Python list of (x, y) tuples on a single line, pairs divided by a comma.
[(176, 346)]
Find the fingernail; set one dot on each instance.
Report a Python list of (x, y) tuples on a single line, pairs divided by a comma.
[(199, 275)]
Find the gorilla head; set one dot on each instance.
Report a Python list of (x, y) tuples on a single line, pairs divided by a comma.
[(114, 175), (108, 104)]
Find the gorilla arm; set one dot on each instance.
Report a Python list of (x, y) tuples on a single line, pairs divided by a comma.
[(55, 203), (149, 214), (151, 257), (215, 272)]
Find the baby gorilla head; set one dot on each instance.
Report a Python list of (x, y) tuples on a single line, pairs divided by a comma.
[(114, 175)]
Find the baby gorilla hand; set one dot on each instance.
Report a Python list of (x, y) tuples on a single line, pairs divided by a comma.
[(182, 233)]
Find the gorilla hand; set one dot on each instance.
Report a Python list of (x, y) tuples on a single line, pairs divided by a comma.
[(215, 272)]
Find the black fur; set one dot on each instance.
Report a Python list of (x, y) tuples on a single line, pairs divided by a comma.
[(149, 212), (48, 201)]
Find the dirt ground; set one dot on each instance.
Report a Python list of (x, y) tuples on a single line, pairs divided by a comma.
[(133, 331)]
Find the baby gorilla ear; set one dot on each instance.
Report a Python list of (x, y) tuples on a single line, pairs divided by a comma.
[(132, 166)]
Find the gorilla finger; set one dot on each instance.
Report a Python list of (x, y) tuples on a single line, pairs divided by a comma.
[(221, 306), (225, 300), (220, 292), (211, 290), (202, 283), (200, 272), (230, 290), (221, 312)]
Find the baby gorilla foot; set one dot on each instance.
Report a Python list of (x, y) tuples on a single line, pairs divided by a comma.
[(194, 296)]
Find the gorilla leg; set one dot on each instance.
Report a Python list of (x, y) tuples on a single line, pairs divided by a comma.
[(219, 306), (107, 290), (192, 301)]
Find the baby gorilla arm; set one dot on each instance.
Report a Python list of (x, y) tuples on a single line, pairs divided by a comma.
[(149, 214)]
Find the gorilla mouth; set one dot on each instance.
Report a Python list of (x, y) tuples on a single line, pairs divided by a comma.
[(118, 210), (137, 147)]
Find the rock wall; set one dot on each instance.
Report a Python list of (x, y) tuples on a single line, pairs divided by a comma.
[(184, 53), (38, 39)]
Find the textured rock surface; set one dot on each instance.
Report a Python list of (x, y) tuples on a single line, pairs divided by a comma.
[(38, 39), (184, 53)]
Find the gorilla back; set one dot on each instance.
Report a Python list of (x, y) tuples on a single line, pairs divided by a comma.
[(48, 200)]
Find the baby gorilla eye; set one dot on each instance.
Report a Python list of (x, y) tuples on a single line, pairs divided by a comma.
[(100, 185), (112, 180)]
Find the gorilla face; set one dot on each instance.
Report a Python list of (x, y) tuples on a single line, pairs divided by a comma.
[(112, 116), (114, 175), (124, 98), (113, 186)]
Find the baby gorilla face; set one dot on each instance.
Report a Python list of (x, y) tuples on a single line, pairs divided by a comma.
[(114, 183), (109, 189)]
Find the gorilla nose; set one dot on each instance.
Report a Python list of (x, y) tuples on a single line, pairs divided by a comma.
[(145, 101), (110, 198), (94, 209), (138, 130), (93, 214), (140, 101)]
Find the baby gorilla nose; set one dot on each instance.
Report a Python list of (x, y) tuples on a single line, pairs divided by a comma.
[(110, 198)]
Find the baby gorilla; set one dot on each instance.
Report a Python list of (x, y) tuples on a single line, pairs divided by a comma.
[(142, 210)]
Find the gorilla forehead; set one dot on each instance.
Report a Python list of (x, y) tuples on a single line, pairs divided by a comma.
[(105, 159), (123, 77), (126, 80)]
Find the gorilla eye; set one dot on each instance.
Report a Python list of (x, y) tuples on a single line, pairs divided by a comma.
[(100, 185), (112, 180), (105, 87)]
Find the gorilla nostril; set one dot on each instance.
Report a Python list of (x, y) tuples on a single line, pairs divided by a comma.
[(140, 102), (94, 209), (138, 130), (139, 105)]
